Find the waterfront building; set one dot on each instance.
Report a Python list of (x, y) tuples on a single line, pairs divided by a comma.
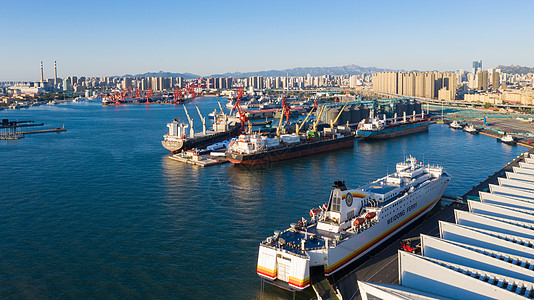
[(495, 80), (416, 84)]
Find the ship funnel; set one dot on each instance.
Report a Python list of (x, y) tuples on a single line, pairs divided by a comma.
[(340, 185)]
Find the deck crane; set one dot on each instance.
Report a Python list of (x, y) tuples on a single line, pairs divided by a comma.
[(148, 95), (280, 122), (318, 118), (203, 119), (220, 106), (298, 128), (191, 130), (338, 115)]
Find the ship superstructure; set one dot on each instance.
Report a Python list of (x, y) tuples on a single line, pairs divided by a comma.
[(352, 223)]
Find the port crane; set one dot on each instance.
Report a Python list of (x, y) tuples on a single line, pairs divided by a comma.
[(242, 114), (298, 128), (318, 118), (338, 115), (177, 95), (191, 130), (148, 95), (203, 119), (286, 110)]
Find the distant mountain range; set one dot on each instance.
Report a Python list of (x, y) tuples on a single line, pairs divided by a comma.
[(164, 74), (314, 71), (515, 69)]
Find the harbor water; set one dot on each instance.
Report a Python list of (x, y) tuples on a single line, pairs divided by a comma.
[(100, 211)]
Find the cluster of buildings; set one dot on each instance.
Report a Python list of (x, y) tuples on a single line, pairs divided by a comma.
[(483, 86)]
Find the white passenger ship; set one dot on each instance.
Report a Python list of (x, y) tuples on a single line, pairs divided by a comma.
[(354, 222)]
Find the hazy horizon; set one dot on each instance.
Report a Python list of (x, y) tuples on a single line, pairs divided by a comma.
[(207, 38)]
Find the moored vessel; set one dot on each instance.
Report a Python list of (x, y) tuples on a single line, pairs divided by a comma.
[(178, 139), (253, 149), (350, 225), (455, 125), (376, 128), (508, 139), (471, 129)]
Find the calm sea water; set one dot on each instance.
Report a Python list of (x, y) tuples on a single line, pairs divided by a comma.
[(100, 211)]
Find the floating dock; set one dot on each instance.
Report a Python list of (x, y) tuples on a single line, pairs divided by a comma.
[(199, 160)]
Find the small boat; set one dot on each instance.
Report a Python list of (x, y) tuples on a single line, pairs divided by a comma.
[(455, 125), (508, 139), (471, 129)]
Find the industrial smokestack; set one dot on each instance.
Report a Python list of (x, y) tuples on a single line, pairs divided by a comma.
[(42, 78), (55, 73)]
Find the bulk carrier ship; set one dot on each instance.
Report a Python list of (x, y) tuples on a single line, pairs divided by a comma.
[(375, 128), (224, 127), (351, 224), (252, 149)]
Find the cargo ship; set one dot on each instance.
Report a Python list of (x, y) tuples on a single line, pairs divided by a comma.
[(253, 149), (177, 139), (376, 128), (350, 225)]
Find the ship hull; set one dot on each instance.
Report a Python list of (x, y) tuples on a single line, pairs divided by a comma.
[(394, 131), (186, 144), (284, 153)]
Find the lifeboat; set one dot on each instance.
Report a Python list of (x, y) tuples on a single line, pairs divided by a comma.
[(370, 215), (314, 211), (359, 221)]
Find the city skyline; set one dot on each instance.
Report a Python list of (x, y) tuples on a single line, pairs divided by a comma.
[(114, 39)]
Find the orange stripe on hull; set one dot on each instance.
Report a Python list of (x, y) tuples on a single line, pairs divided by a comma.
[(299, 283), (271, 274)]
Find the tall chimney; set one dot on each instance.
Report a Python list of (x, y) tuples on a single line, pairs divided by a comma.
[(42, 78), (55, 73)]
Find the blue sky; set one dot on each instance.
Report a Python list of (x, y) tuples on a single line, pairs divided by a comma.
[(103, 38)]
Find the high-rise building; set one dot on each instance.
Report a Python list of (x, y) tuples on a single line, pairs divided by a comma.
[(416, 84), (495, 80), (477, 66), (482, 80), (127, 83), (429, 85)]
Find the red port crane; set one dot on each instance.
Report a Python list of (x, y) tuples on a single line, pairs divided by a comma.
[(148, 95), (242, 114), (286, 110), (177, 95)]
